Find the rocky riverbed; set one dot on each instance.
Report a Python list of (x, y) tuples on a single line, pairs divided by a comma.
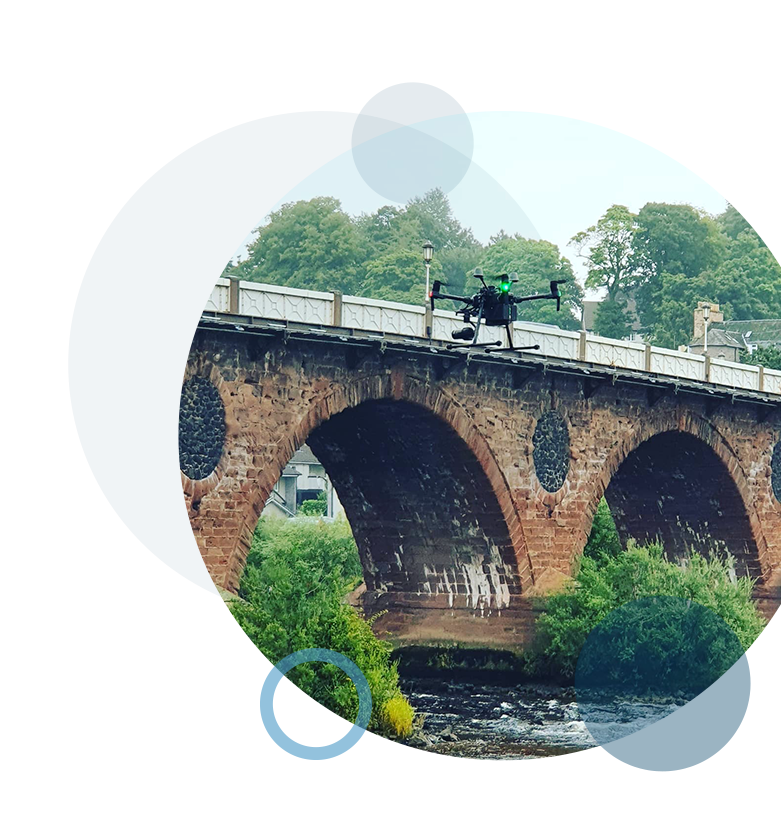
[(495, 721)]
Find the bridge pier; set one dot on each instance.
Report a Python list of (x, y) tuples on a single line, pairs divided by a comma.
[(471, 484)]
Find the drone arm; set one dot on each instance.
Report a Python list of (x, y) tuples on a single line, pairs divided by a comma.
[(518, 300), (554, 294), (436, 293)]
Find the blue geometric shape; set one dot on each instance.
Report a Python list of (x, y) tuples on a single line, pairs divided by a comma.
[(125, 166), (295, 727), (662, 683), (324, 655), (716, 739)]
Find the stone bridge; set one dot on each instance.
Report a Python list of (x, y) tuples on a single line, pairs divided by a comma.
[(470, 478)]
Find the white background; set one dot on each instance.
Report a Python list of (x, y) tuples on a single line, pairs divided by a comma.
[(130, 691)]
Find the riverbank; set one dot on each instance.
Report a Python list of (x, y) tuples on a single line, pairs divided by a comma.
[(469, 721)]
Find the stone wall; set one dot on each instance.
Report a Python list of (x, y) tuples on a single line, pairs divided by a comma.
[(437, 470)]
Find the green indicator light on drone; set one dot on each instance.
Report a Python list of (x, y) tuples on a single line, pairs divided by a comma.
[(505, 287)]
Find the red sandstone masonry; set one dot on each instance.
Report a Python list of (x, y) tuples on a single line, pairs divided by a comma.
[(275, 395)]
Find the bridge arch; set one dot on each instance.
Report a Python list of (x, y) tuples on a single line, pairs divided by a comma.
[(448, 536), (681, 482)]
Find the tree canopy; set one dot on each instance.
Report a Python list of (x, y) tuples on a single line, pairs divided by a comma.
[(668, 257), (756, 208), (608, 249), (314, 244), (664, 259)]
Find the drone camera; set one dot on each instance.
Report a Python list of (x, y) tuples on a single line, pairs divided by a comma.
[(464, 334)]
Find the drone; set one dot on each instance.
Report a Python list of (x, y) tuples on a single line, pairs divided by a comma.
[(493, 306)]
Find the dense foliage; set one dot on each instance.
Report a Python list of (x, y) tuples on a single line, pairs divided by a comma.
[(315, 507), (608, 577), (292, 592), (653, 265), (764, 356), (603, 540), (607, 581), (314, 244)]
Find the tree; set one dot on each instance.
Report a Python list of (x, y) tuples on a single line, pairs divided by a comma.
[(312, 245), (611, 320), (677, 239), (425, 218), (536, 264), (674, 247), (436, 223), (603, 540), (291, 598), (667, 311), (430, 218), (610, 579), (456, 263), (748, 281), (397, 275), (769, 357), (608, 251), (388, 228), (757, 208)]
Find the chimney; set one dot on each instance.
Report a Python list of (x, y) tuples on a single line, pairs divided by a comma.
[(699, 319)]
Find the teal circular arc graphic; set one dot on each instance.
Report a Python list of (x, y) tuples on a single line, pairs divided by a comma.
[(323, 655)]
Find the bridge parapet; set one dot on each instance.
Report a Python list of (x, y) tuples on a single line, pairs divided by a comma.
[(319, 308)]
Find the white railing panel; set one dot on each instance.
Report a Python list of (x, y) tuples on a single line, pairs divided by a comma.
[(219, 301), (553, 341), (773, 381), (313, 307), (677, 364), (732, 374), (383, 316), (444, 322), (613, 353), (286, 303)]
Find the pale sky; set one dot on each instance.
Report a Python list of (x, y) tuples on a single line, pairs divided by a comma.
[(540, 175)]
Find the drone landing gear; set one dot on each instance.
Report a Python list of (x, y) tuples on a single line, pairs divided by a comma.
[(490, 346), (485, 345)]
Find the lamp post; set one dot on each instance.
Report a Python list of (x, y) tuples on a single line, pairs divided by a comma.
[(428, 255), (705, 317)]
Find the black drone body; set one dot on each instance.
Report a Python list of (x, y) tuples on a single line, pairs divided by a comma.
[(493, 306)]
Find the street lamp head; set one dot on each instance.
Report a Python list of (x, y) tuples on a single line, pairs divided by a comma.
[(706, 311), (428, 252)]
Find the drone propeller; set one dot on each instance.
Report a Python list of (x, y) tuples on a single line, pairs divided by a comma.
[(554, 291), (554, 286)]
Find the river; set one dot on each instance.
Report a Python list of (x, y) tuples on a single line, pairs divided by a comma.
[(467, 721)]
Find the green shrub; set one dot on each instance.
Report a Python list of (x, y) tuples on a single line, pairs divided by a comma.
[(292, 592), (765, 356), (398, 716), (314, 508), (605, 583), (603, 539), (327, 547)]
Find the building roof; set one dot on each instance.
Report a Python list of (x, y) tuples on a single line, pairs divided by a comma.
[(304, 456), (272, 501), (719, 338), (764, 332)]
